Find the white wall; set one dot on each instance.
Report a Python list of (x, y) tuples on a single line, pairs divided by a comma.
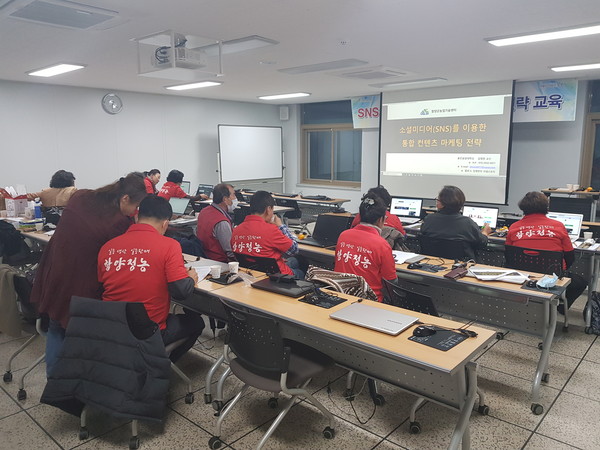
[(45, 128)]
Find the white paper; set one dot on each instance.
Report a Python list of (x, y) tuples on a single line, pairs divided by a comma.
[(401, 257), (202, 272), (492, 274)]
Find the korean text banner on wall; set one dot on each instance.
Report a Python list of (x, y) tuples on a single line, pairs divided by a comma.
[(365, 111), (545, 101)]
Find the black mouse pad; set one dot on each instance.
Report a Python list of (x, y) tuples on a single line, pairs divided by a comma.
[(223, 279), (326, 303), (557, 290), (442, 340)]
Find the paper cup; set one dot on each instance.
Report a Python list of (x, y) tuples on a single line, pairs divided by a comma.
[(39, 226), (575, 187), (215, 271), (569, 187), (588, 235), (234, 266)]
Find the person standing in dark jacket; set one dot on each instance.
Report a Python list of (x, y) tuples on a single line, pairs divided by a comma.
[(68, 264)]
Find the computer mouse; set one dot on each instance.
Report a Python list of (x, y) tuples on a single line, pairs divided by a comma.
[(414, 266), (424, 330), (531, 283)]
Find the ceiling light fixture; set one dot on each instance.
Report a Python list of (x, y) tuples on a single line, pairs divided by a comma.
[(579, 67), (56, 69), (200, 84), (407, 83), (238, 45), (331, 65), (563, 33), (282, 96)]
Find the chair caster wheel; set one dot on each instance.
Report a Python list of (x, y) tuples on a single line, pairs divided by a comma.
[(545, 377), (565, 329), (415, 427), (134, 442), (22, 394), (217, 405), (214, 442), (379, 400), (328, 433), (8, 375), (588, 330), (207, 399), (500, 335), (484, 410), (189, 398), (273, 403), (349, 395), (541, 346), (537, 409), (83, 433)]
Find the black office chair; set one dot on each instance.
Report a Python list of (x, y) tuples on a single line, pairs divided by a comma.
[(397, 296), (260, 263), (265, 361), (295, 218), (239, 214), (444, 248)]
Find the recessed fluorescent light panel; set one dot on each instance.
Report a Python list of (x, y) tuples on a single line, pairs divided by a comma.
[(201, 84), (585, 30), (57, 69), (238, 45), (579, 67), (331, 65), (282, 96), (406, 83)]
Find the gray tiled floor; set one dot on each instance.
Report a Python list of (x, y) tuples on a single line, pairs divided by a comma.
[(571, 399)]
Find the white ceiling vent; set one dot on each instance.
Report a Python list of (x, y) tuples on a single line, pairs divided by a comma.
[(373, 73), (61, 13)]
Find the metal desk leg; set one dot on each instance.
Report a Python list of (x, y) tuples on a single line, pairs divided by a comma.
[(550, 321), (468, 387), (595, 269)]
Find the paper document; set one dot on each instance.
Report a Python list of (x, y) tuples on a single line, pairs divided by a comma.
[(202, 271), (401, 257), (496, 274)]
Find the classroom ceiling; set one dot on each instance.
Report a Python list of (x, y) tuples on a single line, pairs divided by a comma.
[(399, 40)]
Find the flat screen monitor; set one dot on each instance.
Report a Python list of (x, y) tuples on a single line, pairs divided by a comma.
[(179, 205), (406, 207), (572, 222), (482, 215), (329, 227), (186, 185), (205, 189)]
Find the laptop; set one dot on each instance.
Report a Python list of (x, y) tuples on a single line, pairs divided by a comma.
[(572, 223), (327, 230), (296, 289), (374, 318), (482, 215), (179, 205), (186, 185), (205, 189), (407, 209)]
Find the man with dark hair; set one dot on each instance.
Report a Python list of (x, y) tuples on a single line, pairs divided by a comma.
[(214, 224), (448, 222), (263, 234), (172, 188), (144, 266), (539, 232), (362, 251)]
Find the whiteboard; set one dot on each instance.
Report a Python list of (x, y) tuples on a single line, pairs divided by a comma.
[(250, 152)]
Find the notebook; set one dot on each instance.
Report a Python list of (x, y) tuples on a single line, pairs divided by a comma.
[(296, 289), (205, 189), (179, 205), (327, 230), (374, 318), (186, 185), (408, 210), (482, 215), (572, 222)]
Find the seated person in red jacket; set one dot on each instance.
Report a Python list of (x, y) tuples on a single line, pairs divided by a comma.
[(263, 234), (172, 188), (537, 231), (362, 251), (391, 220), (214, 224), (144, 266), (151, 179)]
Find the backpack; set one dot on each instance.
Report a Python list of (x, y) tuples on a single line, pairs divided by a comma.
[(594, 302)]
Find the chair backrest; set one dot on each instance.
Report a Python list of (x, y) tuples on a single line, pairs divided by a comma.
[(260, 263), (239, 214), (256, 341), (402, 298), (532, 260), (347, 283), (443, 248), (296, 213)]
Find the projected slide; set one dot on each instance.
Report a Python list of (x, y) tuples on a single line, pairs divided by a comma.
[(457, 136)]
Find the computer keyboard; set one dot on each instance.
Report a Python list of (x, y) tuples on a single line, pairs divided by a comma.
[(322, 299)]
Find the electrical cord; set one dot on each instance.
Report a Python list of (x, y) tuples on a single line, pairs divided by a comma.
[(462, 330), (351, 400)]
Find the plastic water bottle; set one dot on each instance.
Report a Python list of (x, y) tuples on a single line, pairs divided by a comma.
[(38, 209)]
